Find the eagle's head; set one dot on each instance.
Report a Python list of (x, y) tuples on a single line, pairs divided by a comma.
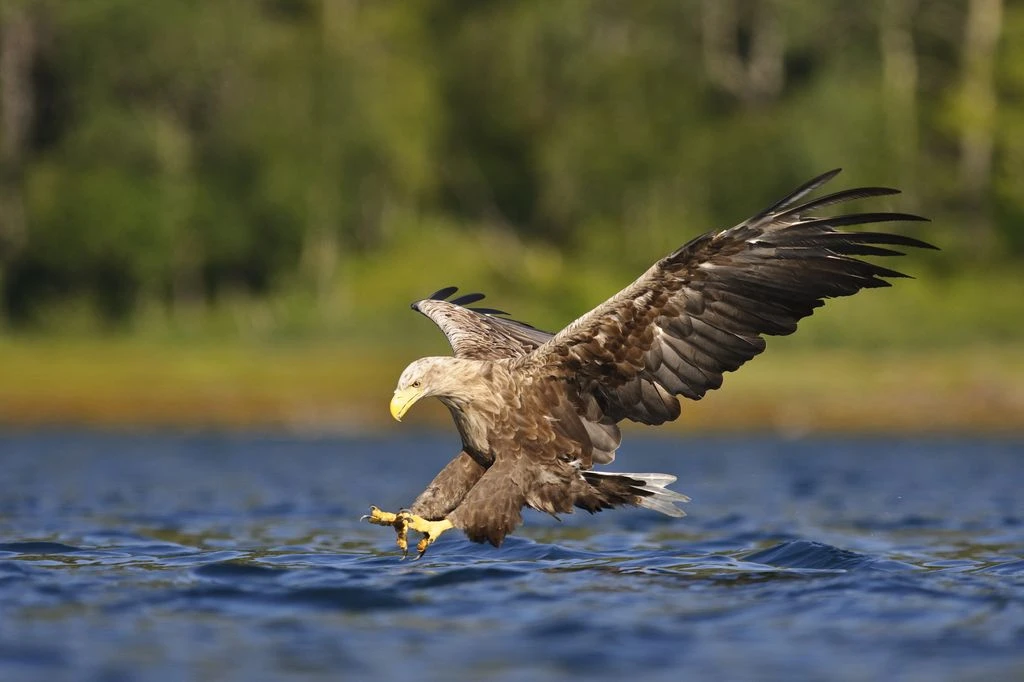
[(434, 376)]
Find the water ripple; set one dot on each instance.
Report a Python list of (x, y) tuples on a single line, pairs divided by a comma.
[(162, 558)]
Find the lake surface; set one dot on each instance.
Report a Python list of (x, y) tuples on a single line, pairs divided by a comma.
[(212, 557)]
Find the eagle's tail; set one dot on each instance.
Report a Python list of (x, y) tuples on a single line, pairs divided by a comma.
[(609, 489)]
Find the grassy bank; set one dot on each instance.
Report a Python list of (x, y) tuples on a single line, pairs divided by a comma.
[(937, 353), (322, 387)]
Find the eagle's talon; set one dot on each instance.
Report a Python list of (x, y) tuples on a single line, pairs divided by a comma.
[(431, 530), (380, 518), (403, 522)]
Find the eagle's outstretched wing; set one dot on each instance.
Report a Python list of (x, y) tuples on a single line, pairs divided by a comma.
[(703, 309), (479, 333)]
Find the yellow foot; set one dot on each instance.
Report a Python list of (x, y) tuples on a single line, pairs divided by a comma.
[(378, 517), (396, 521), (431, 530), (405, 520)]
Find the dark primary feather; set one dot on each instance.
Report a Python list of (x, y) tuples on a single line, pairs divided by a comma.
[(442, 294), (704, 309), (466, 299), (839, 197), (797, 194)]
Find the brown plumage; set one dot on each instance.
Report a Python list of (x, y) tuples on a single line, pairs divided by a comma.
[(536, 412)]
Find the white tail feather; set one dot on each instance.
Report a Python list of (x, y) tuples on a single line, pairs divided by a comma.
[(661, 499)]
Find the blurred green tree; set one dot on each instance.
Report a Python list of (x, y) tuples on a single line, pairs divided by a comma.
[(179, 153)]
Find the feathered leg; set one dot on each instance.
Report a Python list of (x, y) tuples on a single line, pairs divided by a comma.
[(426, 514), (493, 508), (448, 488)]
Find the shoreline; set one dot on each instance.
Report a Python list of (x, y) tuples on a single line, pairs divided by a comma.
[(335, 388)]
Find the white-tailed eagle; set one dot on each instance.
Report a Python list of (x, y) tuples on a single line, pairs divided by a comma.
[(537, 412)]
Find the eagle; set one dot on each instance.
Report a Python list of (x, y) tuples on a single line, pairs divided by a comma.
[(538, 412)]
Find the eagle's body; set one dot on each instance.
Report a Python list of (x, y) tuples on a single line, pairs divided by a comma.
[(536, 412)]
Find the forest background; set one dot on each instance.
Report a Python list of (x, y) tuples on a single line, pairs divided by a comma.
[(215, 213)]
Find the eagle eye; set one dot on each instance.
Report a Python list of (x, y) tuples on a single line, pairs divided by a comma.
[(416, 384)]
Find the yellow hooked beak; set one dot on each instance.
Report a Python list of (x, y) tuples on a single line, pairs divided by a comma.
[(403, 400)]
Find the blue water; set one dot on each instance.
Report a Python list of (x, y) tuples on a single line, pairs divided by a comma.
[(209, 557)]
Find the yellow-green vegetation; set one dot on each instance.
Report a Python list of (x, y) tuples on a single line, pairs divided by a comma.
[(319, 387), (128, 381), (929, 354)]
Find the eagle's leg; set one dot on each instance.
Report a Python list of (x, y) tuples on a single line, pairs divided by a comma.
[(448, 488), (405, 520), (440, 498), (431, 530), (399, 521)]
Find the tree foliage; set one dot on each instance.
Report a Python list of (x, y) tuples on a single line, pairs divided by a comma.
[(177, 151)]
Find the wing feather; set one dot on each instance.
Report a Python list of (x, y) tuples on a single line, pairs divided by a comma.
[(479, 333), (796, 195), (704, 309)]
